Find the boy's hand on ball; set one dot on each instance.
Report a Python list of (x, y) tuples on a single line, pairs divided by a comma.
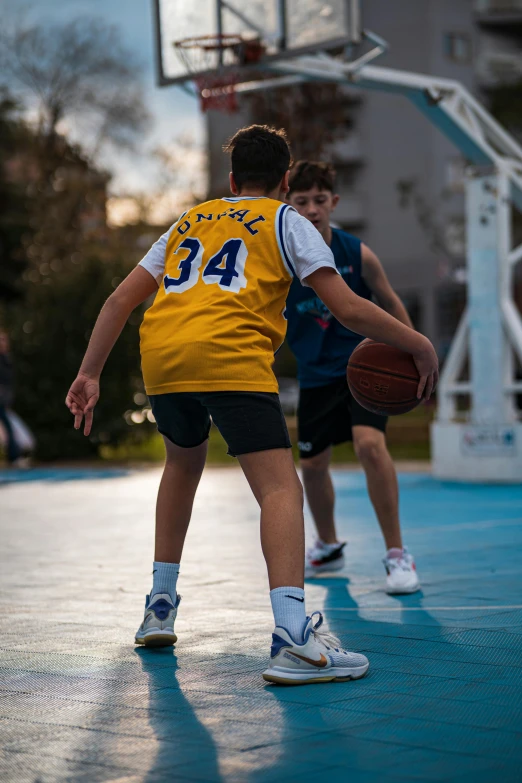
[(427, 364), (81, 399)]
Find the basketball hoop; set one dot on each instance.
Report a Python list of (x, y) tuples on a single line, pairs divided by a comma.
[(218, 59)]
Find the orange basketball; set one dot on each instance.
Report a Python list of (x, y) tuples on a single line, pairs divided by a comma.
[(383, 379)]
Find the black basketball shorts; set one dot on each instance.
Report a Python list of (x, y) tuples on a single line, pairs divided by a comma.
[(326, 415), (248, 421)]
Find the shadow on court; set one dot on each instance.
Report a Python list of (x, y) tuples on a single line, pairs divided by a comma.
[(78, 702), (180, 735)]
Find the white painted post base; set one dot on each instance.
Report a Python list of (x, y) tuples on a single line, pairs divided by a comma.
[(477, 453), (487, 447)]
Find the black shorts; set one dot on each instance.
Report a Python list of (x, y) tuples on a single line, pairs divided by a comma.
[(326, 415), (248, 421)]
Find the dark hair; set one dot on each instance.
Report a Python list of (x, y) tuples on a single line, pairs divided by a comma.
[(306, 173), (260, 156)]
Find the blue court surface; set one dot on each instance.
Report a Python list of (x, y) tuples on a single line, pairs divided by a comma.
[(442, 700)]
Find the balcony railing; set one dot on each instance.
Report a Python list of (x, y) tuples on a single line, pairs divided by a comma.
[(498, 6), (503, 15), (499, 68), (347, 150)]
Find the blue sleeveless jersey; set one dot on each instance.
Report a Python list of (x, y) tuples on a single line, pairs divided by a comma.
[(320, 344)]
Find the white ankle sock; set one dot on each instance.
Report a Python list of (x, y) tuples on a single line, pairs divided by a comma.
[(164, 579), (288, 606), (395, 553)]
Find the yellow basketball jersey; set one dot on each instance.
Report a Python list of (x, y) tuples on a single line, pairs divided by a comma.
[(217, 318)]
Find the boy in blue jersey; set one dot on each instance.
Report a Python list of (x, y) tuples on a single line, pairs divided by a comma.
[(327, 412)]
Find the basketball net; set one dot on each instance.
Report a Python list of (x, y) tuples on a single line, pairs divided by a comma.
[(216, 89), (218, 93)]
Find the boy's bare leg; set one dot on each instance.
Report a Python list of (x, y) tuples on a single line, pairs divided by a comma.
[(183, 469), (274, 481), (372, 452), (370, 446), (320, 494), (181, 475)]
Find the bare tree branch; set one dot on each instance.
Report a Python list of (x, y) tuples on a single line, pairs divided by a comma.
[(78, 70)]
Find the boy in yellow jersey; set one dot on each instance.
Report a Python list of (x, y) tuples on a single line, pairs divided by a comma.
[(222, 275)]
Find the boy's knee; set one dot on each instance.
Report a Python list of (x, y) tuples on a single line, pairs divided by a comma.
[(190, 461), (291, 490), (370, 448)]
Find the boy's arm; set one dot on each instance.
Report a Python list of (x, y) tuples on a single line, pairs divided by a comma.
[(365, 318), (376, 279), (85, 391)]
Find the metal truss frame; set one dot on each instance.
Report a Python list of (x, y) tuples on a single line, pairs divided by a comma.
[(490, 150), (489, 335)]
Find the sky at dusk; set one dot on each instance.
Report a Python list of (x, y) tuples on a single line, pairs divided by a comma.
[(173, 113)]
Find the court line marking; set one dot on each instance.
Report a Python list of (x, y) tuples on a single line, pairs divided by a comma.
[(421, 608)]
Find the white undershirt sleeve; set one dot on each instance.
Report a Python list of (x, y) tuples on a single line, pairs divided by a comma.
[(304, 246), (154, 260)]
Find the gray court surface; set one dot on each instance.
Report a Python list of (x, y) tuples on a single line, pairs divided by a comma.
[(78, 702)]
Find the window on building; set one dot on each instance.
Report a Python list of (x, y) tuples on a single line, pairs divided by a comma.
[(457, 47)]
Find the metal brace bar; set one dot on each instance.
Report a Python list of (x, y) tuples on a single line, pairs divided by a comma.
[(381, 47), (459, 388), (513, 325), (515, 255), (243, 18), (473, 121)]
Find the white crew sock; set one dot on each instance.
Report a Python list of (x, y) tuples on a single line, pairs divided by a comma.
[(288, 606), (164, 579)]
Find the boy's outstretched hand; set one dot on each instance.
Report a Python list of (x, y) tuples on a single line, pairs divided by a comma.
[(81, 399)]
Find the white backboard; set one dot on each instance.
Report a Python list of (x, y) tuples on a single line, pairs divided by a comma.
[(285, 27)]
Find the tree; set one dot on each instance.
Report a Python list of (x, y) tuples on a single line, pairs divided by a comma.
[(314, 115), (180, 182), (70, 258), (13, 199), (49, 334), (77, 72)]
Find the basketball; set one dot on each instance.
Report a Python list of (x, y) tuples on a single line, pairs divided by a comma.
[(383, 379)]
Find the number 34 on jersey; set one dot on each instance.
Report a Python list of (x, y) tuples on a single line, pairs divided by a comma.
[(226, 267)]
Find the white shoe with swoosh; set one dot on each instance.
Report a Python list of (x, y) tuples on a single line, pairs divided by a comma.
[(319, 658)]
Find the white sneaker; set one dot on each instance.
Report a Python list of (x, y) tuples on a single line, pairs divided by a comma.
[(401, 574), (157, 628), (323, 558), (319, 658)]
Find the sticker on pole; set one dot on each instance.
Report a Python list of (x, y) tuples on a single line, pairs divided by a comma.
[(489, 442)]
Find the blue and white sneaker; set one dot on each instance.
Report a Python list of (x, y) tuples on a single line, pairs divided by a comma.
[(319, 658), (157, 628)]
